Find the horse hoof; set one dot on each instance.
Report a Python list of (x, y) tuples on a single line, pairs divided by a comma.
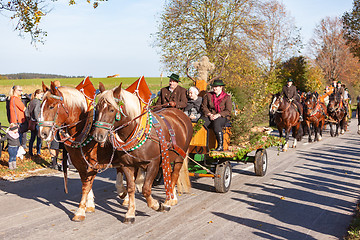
[(90, 209), (123, 195), (78, 218), (128, 220), (163, 208)]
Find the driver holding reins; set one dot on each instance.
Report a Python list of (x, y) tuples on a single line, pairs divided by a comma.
[(290, 93), (173, 95)]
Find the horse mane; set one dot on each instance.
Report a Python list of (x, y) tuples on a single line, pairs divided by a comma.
[(131, 102), (72, 98)]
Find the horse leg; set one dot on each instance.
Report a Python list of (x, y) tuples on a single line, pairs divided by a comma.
[(309, 131), (90, 204), (87, 179), (120, 188), (130, 183), (343, 125), (287, 133), (185, 183), (297, 135), (321, 125), (331, 130), (337, 129), (151, 173)]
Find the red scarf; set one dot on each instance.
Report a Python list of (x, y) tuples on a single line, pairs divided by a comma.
[(217, 100)]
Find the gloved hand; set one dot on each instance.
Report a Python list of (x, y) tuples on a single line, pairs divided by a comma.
[(172, 104)]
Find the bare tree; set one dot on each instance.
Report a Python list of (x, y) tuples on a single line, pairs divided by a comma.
[(329, 49), (276, 38)]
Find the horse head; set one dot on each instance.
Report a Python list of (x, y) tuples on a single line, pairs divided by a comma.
[(115, 108), (60, 106), (275, 104), (310, 102), (334, 102)]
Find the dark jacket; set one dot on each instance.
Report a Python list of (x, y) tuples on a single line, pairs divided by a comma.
[(193, 108), (34, 108), (340, 91), (11, 141), (207, 106), (289, 92), (178, 96)]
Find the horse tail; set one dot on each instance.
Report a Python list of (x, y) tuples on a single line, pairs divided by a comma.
[(140, 179), (183, 183)]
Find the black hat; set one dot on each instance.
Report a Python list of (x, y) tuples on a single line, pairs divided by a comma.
[(174, 77), (217, 82), (290, 80)]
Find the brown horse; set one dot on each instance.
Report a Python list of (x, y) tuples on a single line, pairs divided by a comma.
[(286, 116), (337, 114), (141, 138), (66, 110), (315, 113)]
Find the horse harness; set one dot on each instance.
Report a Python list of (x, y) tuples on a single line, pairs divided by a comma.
[(164, 148)]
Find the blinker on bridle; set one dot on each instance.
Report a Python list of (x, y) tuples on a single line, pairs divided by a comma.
[(109, 126)]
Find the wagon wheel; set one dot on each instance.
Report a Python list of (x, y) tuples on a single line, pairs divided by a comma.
[(261, 162), (223, 182)]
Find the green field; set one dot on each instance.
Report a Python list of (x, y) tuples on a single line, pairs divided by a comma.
[(30, 85)]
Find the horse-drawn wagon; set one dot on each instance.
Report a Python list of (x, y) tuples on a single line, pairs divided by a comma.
[(204, 162)]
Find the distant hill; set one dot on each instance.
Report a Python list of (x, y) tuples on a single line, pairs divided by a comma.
[(34, 75)]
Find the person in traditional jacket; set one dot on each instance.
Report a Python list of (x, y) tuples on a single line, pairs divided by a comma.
[(216, 107), (173, 95), (290, 93), (194, 104)]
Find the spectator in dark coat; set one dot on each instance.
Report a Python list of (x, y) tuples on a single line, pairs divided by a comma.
[(34, 109)]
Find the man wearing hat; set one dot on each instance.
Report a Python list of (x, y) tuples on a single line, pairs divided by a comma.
[(216, 107), (339, 89), (289, 91), (173, 95)]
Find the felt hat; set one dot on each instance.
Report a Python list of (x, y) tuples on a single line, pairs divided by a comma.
[(290, 80), (217, 82), (174, 77), (338, 81)]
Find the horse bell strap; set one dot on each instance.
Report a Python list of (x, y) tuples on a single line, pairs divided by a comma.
[(176, 148), (165, 163)]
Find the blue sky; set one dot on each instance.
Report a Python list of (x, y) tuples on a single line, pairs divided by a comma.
[(115, 37)]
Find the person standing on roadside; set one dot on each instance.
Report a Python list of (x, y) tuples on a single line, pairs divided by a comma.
[(17, 112), (34, 109), (12, 137)]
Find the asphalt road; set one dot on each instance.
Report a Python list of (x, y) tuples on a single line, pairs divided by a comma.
[(308, 193)]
